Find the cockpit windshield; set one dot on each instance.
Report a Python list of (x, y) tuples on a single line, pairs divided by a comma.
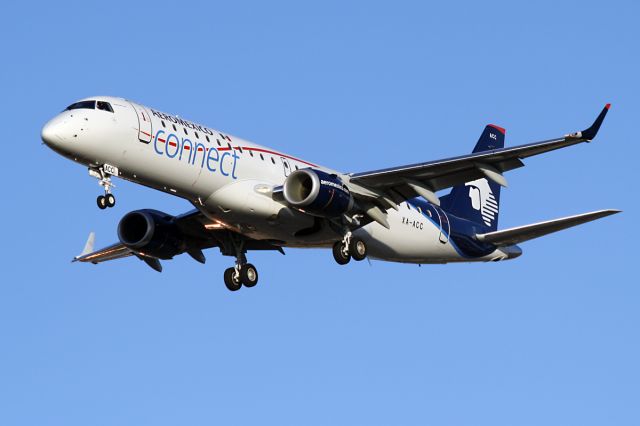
[(82, 105), (105, 106), (101, 105)]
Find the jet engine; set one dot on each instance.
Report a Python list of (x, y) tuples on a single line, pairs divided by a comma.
[(317, 193), (151, 232)]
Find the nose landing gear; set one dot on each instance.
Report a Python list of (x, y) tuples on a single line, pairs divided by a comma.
[(108, 199)]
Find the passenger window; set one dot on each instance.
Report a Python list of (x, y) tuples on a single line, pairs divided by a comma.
[(240, 149), (196, 135), (175, 129), (163, 125), (207, 138), (262, 157), (105, 106), (273, 161), (218, 141), (82, 105), (185, 131), (251, 153)]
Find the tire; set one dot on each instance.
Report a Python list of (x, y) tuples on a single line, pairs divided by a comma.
[(102, 202), (357, 249), (229, 281), (110, 199), (338, 254), (249, 275)]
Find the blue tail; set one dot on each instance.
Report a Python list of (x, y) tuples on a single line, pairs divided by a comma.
[(479, 200)]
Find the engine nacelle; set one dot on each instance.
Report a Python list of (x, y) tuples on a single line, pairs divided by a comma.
[(317, 193), (151, 232)]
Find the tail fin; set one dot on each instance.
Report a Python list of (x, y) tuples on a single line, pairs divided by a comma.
[(479, 200)]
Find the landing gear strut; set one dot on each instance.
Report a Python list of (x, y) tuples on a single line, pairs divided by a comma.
[(243, 274), (348, 248), (108, 199)]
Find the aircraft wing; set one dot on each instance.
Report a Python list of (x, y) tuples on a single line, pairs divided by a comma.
[(200, 232), (507, 237), (396, 184), (191, 223), (112, 252)]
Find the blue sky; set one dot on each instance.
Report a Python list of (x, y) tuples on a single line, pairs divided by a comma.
[(551, 338)]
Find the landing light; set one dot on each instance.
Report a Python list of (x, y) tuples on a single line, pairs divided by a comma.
[(263, 189), (215, 225)]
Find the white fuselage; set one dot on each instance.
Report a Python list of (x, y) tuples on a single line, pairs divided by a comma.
[(230, 180)]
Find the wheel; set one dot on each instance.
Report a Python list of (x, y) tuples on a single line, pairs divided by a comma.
[(249, 275), (357, 249), (102, 202), (110, 200), (339, 254), (232, 280)]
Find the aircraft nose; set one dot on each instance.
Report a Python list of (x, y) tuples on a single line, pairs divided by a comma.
[(50, 133)]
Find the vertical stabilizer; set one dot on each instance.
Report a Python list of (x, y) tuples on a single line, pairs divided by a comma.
[(478, 200)]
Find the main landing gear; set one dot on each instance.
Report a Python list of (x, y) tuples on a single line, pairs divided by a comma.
[(348, 248), (240, 275), (108, 199), (243, 274)]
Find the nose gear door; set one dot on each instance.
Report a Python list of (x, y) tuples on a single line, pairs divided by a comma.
[(145, 130)]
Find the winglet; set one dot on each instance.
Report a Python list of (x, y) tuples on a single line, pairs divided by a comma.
[(88, 247), (591, 132)]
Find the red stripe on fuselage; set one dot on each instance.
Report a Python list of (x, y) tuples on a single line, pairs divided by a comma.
[(247, 148), (266, 151)]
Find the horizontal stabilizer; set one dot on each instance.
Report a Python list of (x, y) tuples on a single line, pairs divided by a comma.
[(520, 234)]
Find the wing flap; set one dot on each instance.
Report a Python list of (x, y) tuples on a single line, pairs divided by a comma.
[(520, 234)]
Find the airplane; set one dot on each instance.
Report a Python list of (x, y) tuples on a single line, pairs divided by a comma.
[(248, 197)]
